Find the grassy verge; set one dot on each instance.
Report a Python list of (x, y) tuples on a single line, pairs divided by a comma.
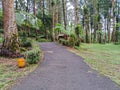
[(9, 72), (103, 58)]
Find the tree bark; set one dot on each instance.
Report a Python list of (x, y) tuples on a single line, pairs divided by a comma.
[(34, 9), (113, 18), (76, 12), (10, 29), (57, 12), (64, 14), (105, 28), (16, 6), (108, 29), (53, 22)]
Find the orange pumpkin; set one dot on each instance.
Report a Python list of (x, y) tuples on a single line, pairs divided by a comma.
[(21, 62)]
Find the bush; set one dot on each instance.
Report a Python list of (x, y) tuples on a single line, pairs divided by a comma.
[(63, 42), (71, 42), (117, 43), (32, 56), (26, 43), (41, 39)]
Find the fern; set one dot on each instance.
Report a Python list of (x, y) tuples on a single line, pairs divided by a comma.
[(29, 20)]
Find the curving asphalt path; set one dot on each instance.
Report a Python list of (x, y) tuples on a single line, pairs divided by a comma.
[(63, 70)]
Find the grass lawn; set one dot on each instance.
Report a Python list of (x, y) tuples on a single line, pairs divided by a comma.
[(10, 73), (105, 58)]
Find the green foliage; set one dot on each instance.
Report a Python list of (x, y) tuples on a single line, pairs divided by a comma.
[(105, 58), (63, 42), (74, 36), (79, 33), (1, 31), (117, 34), (46, 19), (29, 20), (33, 56), (1, 40), (42, 40), (24, 41), (85, 10), (26, 44), (1, 19), (78, 30), (60, 29), (72, 40)]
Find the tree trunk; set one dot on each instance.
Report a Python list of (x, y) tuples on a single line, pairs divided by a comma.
[(76, 12), (34, 9), (108, 29), (117, 27), (57, 12), (95, 33), (91, 28), (87, 28), (27, 7), (16, 6), (105, 24), (10, 29), (53, 34), (113, 18), (64, 14)]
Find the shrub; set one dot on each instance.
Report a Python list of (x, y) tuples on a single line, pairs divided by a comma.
[(32, 56), (79, 33), (71, 42), (42, 40), (117, 43), (1, 31), (26, 43), (63, 42)]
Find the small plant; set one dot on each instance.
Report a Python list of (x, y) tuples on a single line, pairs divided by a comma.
[(32, 56), (78, 32), (42, 40), (71, 42)]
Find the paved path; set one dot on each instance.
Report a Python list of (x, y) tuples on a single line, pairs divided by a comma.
[(63, 70)]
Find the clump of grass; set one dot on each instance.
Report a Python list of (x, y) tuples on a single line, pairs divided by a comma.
[(105, 58)]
